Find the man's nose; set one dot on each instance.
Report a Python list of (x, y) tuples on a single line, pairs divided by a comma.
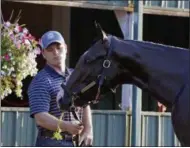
[(55, 51)]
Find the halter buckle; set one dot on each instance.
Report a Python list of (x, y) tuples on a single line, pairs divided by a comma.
[(106, 63)]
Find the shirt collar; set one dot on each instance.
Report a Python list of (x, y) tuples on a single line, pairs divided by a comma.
[(54, 73)]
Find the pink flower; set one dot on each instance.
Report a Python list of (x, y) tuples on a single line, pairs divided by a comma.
[(21, 36), (15, 42), (23, 39), (17, 29), (12, 37), (37, 51), (10, 32), (18, 45), (7, 57), (26, 42), (30, 37), (7, 24), (25, 31)]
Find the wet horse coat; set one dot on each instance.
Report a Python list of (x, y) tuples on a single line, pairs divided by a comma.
[(163, 71)]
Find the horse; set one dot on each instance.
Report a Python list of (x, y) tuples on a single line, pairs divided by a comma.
[(161, 70)]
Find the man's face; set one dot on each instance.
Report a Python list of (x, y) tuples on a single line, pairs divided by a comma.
[(55, 54)]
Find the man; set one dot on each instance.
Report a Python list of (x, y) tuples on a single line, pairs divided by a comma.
[(42, 94), (161, 107)]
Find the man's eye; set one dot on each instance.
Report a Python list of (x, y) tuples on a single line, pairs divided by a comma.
[(49, 49)]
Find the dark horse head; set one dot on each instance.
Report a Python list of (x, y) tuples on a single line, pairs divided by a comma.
[(161, 70)]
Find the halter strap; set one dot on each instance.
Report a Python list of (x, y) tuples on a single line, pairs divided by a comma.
[(106, 64)]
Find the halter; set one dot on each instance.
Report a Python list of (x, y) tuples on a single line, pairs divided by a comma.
[(106, 64)]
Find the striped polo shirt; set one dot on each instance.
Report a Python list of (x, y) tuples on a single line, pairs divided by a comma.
[(43, 91)]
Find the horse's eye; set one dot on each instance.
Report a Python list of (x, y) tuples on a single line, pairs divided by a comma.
[(89, 60)]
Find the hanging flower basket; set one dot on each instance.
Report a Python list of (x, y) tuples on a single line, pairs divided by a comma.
[(18, 53)]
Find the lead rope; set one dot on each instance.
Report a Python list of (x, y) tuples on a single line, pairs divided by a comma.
[(57, 134), (76, 138), (97, 95)]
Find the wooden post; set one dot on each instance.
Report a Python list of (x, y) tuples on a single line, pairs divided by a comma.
[(61, 23), (131, 26), (124, 19)]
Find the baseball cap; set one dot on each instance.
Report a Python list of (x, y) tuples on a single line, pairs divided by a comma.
[(51, 37)]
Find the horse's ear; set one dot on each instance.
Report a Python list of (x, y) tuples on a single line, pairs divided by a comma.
[(100, 31)]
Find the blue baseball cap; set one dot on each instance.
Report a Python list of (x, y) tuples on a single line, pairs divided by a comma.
[(51, 37)]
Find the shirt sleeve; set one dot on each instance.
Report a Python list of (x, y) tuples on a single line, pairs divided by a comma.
[(39, 97)]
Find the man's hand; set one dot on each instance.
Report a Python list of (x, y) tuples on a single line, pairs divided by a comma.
[(86, 138), (73, 128), (87, 134)]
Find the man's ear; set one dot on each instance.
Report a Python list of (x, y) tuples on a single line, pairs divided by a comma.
[(66, 48)]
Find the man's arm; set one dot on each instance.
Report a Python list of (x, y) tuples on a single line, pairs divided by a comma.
[(39, 101), (50, 122), (87, 120)]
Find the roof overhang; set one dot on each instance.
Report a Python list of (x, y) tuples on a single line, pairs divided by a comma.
[(79, 4), (166, 11), (105, 6)]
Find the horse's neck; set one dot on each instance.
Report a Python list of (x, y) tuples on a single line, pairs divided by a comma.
[(157, 66)]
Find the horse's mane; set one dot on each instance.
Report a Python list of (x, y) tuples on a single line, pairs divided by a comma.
[(153, 43)]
